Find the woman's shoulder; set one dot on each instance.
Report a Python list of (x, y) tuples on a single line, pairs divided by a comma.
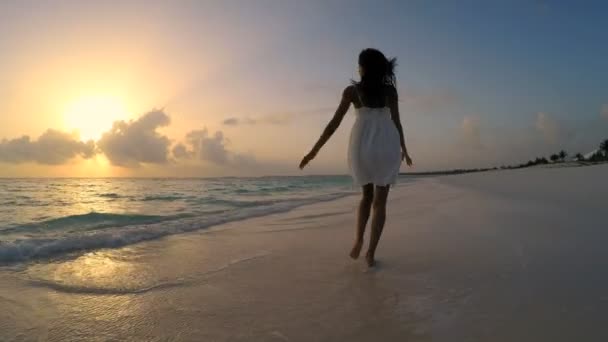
[(350, 92)]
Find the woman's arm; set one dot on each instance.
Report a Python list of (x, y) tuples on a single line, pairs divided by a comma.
[(393, 103), (331, 127)]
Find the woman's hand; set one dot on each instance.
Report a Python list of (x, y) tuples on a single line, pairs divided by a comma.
[(307, 158), (407, 158)]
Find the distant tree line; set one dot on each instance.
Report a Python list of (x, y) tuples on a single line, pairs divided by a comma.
[(448, 172), (601, 155)]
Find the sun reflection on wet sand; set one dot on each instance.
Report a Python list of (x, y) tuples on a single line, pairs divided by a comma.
[(96, 293), (106, 272)]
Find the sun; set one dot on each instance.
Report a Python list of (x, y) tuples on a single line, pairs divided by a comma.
[(92, 115)]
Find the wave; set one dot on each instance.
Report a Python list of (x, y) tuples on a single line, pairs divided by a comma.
[(275, 189), (65, 288), (237, 203), (162, 198), (113, 195), (110, 195), (90, 221), (25, 249)]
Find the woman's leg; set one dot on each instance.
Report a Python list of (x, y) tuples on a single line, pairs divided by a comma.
[(379, 205), (365, 207)]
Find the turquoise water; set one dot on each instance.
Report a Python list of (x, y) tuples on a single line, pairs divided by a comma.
[(44, 218)]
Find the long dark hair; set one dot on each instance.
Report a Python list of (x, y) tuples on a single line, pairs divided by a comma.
[(378, 73)]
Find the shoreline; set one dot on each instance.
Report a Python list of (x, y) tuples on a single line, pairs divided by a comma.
[(506, 168)]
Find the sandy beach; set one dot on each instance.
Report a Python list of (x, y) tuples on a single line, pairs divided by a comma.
[(497, 256), (194, 171)]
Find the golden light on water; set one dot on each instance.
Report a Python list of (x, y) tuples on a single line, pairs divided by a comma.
[(92, 115), (95, 272)]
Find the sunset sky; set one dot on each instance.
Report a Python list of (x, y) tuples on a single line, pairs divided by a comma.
[(194, 88)]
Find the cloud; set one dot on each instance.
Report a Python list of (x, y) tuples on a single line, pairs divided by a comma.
[(211, 148), (427, 101), (273, 119), (180, 151), (548, 127), (231, 122), (553, 131), (604, 111), (135, 142), (282, 118), (471, 132), (243, 121), (52, 148)]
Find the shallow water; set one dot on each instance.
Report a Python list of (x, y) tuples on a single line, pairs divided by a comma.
[(44, 218)]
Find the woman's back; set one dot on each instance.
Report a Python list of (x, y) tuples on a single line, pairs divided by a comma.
[(372, 98)]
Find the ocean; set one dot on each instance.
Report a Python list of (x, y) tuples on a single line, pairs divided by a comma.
[(50, 218)]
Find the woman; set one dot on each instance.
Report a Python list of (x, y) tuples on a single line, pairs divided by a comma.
[(377, 145)]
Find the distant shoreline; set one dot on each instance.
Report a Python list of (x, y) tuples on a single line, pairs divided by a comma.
[(463, 171)]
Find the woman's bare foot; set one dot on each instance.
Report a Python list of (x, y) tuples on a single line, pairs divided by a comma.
[(370, 260), (354, 253)]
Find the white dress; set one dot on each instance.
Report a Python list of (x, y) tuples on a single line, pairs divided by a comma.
[(374, 149)]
